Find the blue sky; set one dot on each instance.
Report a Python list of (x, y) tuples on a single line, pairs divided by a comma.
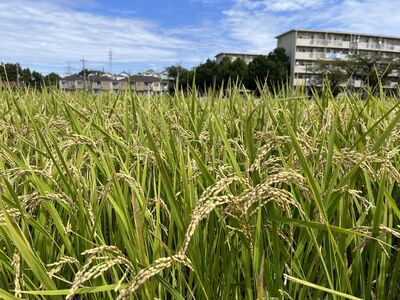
[(50, 35)]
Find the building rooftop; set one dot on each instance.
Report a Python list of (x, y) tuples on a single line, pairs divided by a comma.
[(142, 78), (237, 54), (73, 77), (99, 78), (337, 32)]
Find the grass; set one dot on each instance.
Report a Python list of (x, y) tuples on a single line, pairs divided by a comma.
[(182, 197)]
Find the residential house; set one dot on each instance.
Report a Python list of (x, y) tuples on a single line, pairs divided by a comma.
[(148, 84), (105, 83), (72, 83), (94, 83)]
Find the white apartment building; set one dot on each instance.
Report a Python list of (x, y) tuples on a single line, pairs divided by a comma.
[(248, 58), (306, 47)]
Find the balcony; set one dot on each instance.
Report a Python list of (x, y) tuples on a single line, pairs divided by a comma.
[(304, 69), (299, 82), (323, 43), (305, 55), (377, 47), (321, 55), (310, 82), (391, 85)]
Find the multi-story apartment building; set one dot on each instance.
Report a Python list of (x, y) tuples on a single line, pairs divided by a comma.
[(306, 47), (248, 58)]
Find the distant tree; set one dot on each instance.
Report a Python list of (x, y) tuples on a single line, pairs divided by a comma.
[(370, 70), (273, 68), (224, 70), (175, 71), (9, 72), (228, 70), (335, 73), (238, 69), (257, 71), (89, 72), (374, 69), (37, 80), (52, 79), (184, 77), (206, 74), (27, 76), (278, 66)]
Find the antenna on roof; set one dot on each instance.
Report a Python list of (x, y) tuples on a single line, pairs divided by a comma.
[(110, 58)]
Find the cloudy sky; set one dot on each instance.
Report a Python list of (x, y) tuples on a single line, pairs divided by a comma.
[(50, 35)]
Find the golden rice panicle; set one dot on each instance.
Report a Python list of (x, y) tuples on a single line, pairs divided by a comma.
[(266, 189), (145, 274), (14, 213), (16, 263), (57, 266), (207, 202), (113, 256), (201, 212)]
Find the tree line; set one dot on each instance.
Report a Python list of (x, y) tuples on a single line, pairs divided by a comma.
[(13, 73), (272, 69)]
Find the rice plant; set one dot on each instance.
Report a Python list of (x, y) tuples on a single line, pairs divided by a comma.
[(223, 196)]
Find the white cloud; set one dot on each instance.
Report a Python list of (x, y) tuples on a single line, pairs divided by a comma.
[(291, 5), (365, 16), (278, 5), (253, 32), (38, 33)]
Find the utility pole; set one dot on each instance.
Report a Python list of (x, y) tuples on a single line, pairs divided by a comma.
[(3, 66), (17, 67), (84, 73), (110, 58)]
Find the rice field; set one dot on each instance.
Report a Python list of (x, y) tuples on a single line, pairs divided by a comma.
[(224, 196)]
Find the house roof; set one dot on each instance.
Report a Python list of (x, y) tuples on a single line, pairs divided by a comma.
[(73, 77), (99, 78), (141, 78), (336, 32)]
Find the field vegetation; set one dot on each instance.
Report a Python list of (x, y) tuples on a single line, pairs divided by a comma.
[(224, 196)]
